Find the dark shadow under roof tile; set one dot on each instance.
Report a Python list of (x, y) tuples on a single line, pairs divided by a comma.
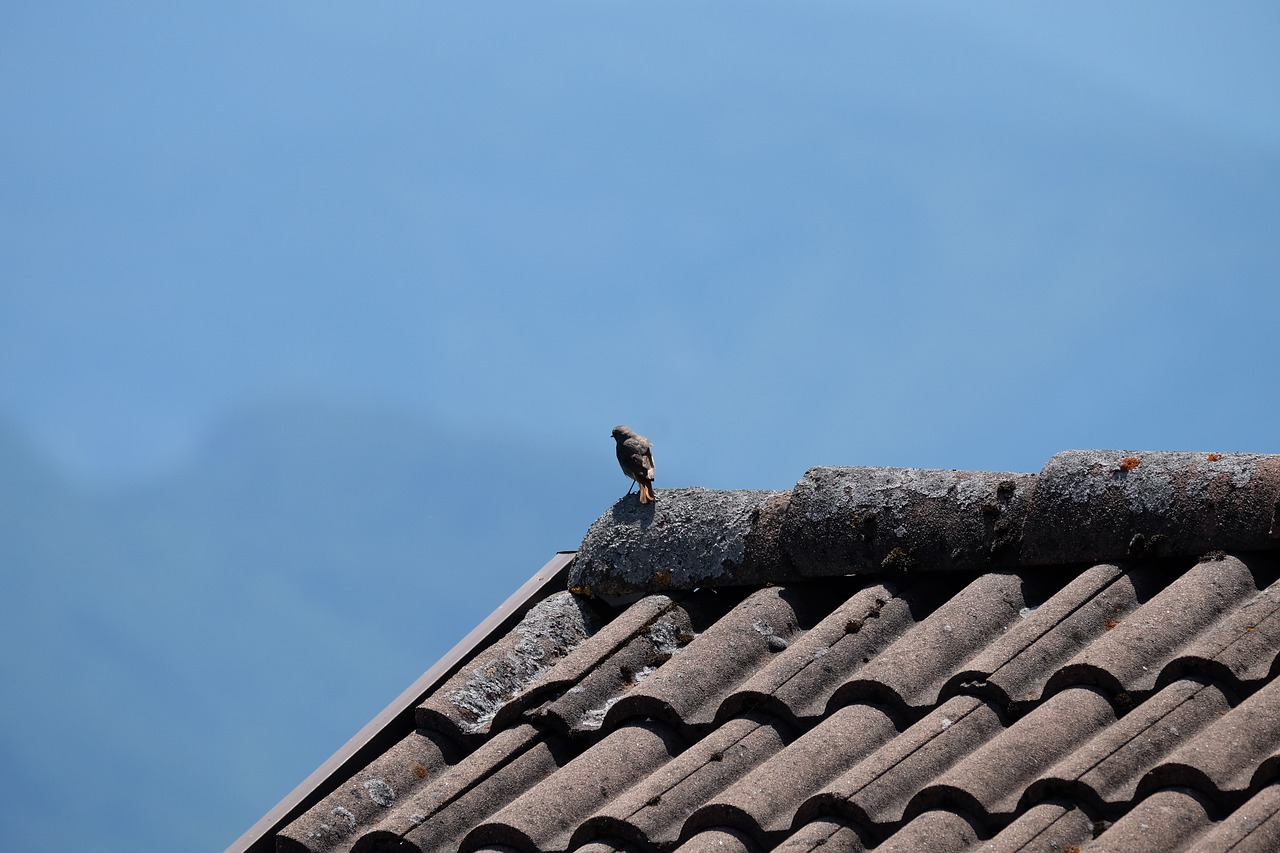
[(1053, 825), (932, 830), (826, 835), (719, 841), (996, 774), (1131, 656), (878, 789), (631, 622), (765, 800), (1168, 820), (688, 689), (658, 806), (439, 814), (1252, 828), (799, 681), (1228, 753), (1242, 645), (1019, 663), (630, 654), (608, 846), (915, 667), (544, 816), (1116, 758), (465, 704)]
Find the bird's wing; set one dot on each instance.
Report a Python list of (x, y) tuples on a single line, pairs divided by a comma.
[(638, 458), (642, 455)]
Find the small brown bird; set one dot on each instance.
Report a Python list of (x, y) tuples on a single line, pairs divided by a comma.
[(635, 455)]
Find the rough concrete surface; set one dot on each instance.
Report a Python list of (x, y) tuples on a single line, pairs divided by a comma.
[(689, 538), (1113, 504), (845, 520), (1085, 506)]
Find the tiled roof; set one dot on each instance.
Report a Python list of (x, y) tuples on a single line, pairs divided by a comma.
[(900, 661)]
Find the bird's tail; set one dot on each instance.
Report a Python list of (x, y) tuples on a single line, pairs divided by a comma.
[(646, 494)]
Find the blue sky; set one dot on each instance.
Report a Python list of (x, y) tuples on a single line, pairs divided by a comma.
[(303, 305)]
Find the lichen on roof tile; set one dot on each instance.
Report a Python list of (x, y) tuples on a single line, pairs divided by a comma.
[(874, 519), (1083, 506), (1114, 504), (548, 632), (688, 538)]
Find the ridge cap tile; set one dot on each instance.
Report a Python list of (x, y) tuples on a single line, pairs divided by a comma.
[(1117, 503), (1082, 507)]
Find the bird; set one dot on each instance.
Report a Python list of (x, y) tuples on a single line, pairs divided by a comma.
[(635, 455)]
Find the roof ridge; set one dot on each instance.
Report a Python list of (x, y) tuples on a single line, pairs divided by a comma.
[(1085, 506)]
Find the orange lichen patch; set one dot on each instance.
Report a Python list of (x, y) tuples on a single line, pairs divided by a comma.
[(1129, 463), (1249, 630), (582, 589), (1111, 623), (662, 579), (1214, 457), (1071, 848), (419, 771)]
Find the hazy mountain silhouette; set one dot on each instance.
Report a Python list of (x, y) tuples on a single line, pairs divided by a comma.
[(233, 623)]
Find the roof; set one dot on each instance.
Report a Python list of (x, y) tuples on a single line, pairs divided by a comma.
[(877, 659)]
